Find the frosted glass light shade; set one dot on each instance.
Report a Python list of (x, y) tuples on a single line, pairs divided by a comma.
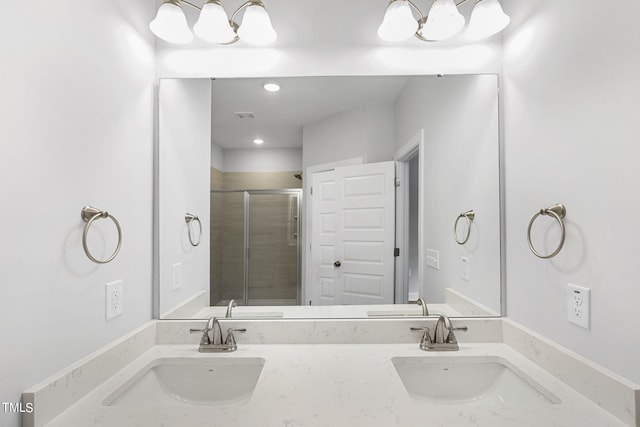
[(170, 24), (213, 24), (398, 23), (256, 26), (444, 21), (487, 19)]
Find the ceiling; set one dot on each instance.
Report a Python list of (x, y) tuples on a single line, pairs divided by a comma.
[(280, 116)]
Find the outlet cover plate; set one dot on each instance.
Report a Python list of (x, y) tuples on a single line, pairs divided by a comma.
[(464, 268), (177, 276), (114, 299), (433, 259), (579, 305)]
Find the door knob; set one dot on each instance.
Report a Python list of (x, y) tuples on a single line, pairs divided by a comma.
[(337, 264)]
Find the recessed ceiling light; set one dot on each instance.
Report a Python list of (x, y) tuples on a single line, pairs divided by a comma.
[(258, 141), (271, 87)]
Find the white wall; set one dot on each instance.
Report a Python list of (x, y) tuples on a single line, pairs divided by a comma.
[(263, 160), (184, 186), (76, 125), (365, 132), (459, 115), (571, 128)]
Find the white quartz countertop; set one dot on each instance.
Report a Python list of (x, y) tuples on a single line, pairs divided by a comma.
[(335, 385)]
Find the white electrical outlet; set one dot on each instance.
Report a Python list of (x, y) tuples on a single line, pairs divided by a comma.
[(464, 268), (177, 276), (433, 259), (579, 305), (114, 299)]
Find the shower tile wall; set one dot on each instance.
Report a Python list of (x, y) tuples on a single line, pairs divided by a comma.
[(260, 180), (272, 275)]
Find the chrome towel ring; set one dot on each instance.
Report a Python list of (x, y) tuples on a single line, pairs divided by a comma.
[(558, 212), (89, 214), (190, 219), (469, 216)]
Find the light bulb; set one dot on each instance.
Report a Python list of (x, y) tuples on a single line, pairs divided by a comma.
[(256, 26), (170, 24), (444, 21), (487, 19), (213, 24), (398, 23)]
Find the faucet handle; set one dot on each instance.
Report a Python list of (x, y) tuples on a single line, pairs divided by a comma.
[(205, 340), (230, 340), (426, 340)]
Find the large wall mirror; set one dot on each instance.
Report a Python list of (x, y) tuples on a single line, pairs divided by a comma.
[(337, 196)]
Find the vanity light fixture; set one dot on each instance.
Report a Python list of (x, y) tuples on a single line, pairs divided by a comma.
[(258, 141), (213, 25), (442, 22)]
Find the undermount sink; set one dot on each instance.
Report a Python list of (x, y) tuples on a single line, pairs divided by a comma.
[(480, 381), (197, 381)]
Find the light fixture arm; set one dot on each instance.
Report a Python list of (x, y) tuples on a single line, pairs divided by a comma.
[(190, 4), (417, 9), (241, 8)]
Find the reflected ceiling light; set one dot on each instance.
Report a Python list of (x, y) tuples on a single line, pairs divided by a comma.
[(213, 25), (258, 141), (271, 87), (442, 22)]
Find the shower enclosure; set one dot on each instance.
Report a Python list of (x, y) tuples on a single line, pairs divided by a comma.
[(255, 249)]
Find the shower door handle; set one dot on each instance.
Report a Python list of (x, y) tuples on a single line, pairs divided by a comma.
[(337, 264)]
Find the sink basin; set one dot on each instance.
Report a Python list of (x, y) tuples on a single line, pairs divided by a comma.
[(197, 381), (479, 381)]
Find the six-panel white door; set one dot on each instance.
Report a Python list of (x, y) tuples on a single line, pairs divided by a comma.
[(352, 240)]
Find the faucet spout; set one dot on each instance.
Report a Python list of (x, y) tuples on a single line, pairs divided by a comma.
[(213, 327), (443, 333), (425, 310), (443, 337), (232, 304)]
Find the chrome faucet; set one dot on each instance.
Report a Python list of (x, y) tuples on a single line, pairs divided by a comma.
[(232, 304), (425, 310), (212, 341), (443, 337)]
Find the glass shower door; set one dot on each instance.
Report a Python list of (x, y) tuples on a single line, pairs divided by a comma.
[(273, 266), (228, 254)]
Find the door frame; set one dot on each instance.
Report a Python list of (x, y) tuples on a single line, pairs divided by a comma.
[(402, 157)]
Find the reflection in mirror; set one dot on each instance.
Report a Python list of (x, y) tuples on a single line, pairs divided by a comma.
[(356, 202)]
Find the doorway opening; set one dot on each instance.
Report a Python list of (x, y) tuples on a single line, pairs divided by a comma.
[(409, 210)]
